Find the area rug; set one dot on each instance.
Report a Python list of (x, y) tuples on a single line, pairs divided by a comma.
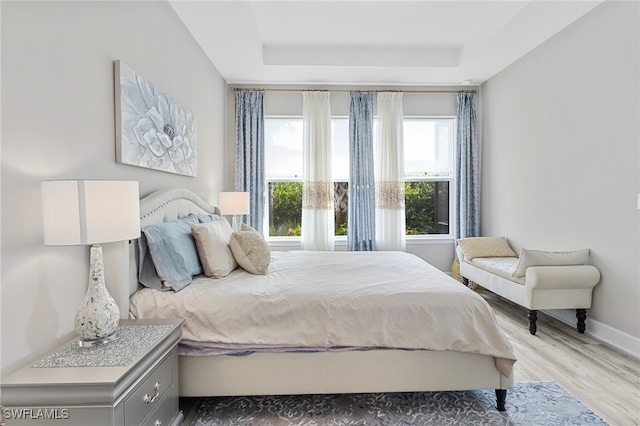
[(528, 403)]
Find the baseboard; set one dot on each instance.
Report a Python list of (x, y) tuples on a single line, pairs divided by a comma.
[(619, 339)]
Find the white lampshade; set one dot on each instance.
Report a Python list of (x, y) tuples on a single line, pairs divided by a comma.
[(232, 203), (84, 212), (90, 212)]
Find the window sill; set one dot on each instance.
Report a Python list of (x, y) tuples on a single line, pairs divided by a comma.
[(295, 243), (416, 240)]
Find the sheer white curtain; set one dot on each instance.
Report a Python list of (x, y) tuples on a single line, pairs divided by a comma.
[(317, 188), (389, 173)]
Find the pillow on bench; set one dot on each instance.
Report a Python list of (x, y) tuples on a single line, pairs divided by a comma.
[(549, 258), (486, 247)]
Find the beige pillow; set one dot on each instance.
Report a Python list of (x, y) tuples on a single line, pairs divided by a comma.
[(250, 250), (212, 242), (245, 227), (549, 258), (485, 247)]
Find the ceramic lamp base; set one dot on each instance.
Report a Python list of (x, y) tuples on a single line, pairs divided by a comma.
[(98, 315)]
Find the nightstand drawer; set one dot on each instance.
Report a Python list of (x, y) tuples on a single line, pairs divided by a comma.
[(150, 393), (165, 412)]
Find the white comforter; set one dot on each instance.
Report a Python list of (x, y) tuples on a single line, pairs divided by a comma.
[(335, 299)]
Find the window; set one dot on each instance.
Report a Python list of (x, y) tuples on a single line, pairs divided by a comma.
[(283, 173), (428, 157), (428, 171)]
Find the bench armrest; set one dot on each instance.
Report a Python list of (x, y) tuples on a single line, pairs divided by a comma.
[(566, 277)]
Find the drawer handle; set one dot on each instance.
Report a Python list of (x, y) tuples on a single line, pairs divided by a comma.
[(148, 399)]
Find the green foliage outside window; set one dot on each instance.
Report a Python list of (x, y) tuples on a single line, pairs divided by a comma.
[(418, 207), (426, 207), (425, 202), (286, 211), (341, 228)]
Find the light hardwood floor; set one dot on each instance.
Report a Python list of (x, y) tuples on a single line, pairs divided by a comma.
[(606, 379)]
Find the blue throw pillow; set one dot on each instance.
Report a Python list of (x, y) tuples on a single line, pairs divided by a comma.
[(173, 254), (204, 218), (147, 274)]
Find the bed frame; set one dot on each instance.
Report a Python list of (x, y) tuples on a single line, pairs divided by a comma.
[(384, 370)]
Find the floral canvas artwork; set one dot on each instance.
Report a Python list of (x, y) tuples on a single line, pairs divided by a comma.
[(152, 129)]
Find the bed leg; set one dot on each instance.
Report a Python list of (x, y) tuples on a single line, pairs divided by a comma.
[(533, 317), (581, 314), (465, 281), (501, 399)]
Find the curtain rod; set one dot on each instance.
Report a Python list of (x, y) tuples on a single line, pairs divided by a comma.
[(237, 89)]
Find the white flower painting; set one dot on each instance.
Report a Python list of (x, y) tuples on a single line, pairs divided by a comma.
[(152, 129)]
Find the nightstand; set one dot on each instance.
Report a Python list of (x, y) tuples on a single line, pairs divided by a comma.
[(130, 381)]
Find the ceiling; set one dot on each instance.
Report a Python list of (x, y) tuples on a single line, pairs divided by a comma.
[(371, 42)]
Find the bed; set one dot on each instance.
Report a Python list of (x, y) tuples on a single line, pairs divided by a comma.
[(417, 349)]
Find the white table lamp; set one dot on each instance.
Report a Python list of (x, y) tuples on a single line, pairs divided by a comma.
[(86, 212), (233, 203)]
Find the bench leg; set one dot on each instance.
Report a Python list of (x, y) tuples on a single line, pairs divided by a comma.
[(533, 317), (581, 314), (465, 281), (501, 399)]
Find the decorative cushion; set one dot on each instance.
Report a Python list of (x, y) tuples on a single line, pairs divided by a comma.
[(245, 227), (212, 242), (250, 250), (206, 218), (486, 247), (549, 258), (174, 254), (147, 271)]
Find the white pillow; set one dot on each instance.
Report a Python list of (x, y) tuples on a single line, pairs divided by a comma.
[(212, 242), (485, 247), (250, 250), (549, 258)]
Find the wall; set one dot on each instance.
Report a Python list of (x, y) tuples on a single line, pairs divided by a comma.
[(58, 123), (439, 251), (561, 157)]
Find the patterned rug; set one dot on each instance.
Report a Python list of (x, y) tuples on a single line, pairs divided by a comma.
[(528, 403)]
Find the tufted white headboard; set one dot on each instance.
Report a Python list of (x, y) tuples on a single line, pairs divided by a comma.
[(171, 204), (162, 206)]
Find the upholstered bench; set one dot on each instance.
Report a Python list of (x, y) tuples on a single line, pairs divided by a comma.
[(535, 280)]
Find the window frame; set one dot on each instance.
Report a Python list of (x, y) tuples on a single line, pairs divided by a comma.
[(277, 239), (341, 240), (450, 179)]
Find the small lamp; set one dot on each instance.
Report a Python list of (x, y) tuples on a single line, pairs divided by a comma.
[(85, 212), (233, 203)]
